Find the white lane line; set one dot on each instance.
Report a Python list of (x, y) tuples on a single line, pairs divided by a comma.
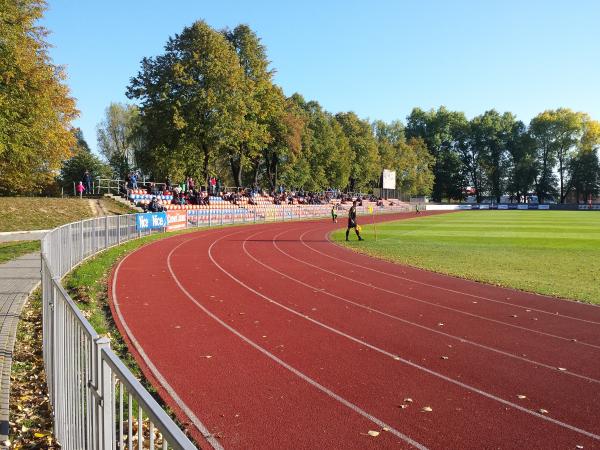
[(422, 283), (391, 316), (437, 305), (396, 357), (157, 374), (279, 361)]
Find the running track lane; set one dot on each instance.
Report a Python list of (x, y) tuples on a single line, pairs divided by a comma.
[(322, 381)]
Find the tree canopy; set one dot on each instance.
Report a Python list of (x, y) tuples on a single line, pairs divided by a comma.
[(36, 108)]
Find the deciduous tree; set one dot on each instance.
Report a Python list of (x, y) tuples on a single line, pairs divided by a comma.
[(36, 109)]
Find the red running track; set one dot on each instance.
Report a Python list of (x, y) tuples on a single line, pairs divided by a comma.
[(272, 337)]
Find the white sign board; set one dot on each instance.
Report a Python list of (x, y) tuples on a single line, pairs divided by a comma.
[(389, 179)]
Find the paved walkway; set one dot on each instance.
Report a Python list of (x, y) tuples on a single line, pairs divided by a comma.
[(17, 279), (35, 235)]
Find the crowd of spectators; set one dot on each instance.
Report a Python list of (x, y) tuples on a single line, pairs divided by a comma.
[(189, 193)]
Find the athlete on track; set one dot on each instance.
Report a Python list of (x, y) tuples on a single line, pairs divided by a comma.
[(352, 221)]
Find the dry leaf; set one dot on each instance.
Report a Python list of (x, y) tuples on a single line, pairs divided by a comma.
[(542, 411), (440, 324), (444, 357), (373, 433), (521, 396), (408, 400), (562, 369), (403, 406), (427, 409)]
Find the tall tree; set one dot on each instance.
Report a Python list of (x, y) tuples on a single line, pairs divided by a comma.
[(522, 162), (36, 109), (485, 152), (414, 167), (364, 169), (442, 131), (117, 136), (557, 133), (584, 174), (192, 103), (73, 169), (265, 104)]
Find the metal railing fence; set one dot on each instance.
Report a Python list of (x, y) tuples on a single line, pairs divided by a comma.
[(97, 402)]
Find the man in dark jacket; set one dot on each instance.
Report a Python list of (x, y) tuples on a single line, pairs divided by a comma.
[(352, 221)]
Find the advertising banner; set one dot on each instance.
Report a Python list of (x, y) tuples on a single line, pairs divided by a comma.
[(150, 221), (486, 206), (389, 179), (543, 206), (501, 206), (522, 206), (176, 220)]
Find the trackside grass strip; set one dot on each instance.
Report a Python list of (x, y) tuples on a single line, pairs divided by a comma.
[(554, 253)]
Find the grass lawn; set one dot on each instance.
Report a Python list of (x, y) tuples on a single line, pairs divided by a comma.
[(549, 252), (39, 213), (14, 249)]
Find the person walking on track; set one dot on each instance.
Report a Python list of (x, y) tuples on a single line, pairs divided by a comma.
[(352, 222), (333, 214)]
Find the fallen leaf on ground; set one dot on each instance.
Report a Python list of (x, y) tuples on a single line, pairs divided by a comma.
[(373, 433), (408, 400), (444, 357), (521, 396), (543, 411), (403, 406), (562, 369), (427, 409)]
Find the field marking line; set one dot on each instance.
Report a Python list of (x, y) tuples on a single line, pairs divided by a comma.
[(278, 360), (215, 444), (412, 280), (394, 317), (395, 357), (446, 307)]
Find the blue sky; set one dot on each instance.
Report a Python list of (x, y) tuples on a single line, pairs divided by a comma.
[(377, 58)]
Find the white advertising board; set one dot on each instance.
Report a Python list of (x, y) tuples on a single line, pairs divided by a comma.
[(389, 179)]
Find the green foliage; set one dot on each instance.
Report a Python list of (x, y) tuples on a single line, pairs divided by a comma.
[(192, 103), (73, 169), (484, 152), (442, 131), (364, 163), (559, 134), (36, 109), (584, 174), (119, 138)]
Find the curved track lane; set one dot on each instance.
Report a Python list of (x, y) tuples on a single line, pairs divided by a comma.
[(271, 336)]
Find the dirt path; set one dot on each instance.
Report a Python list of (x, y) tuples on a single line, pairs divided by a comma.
[(97, 207)]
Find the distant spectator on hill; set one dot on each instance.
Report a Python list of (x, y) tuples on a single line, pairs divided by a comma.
[(134, 180), (80, 188), (87, 179)]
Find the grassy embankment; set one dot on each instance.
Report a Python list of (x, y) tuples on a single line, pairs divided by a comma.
[(555, 253), (38, 213)]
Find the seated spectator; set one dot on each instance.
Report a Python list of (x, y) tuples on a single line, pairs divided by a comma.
[(153, 206)]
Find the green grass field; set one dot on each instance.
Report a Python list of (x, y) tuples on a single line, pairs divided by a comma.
[(14, 249), (550, 252)]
